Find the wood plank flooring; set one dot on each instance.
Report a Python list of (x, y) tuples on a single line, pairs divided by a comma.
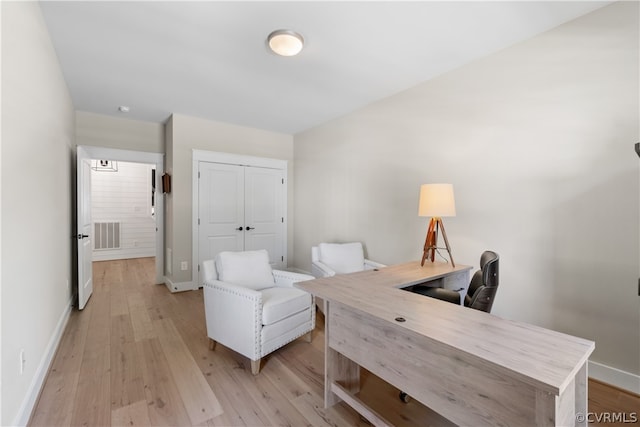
[(139, 355)]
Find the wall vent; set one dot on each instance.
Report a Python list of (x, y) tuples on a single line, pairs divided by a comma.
[(106, 235)]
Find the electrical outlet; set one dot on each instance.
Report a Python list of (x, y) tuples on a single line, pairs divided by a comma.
[(184, 266), (23, 361)]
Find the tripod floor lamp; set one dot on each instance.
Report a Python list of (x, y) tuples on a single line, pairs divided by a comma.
[(436, 201)]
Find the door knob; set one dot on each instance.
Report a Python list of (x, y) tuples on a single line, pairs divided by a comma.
[(81, 236), (239, 228), (250, 228)]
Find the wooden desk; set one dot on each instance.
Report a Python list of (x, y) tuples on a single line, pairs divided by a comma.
[(471, 367)]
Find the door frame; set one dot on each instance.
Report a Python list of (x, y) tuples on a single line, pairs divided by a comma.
[(230, 159), (156, 159)]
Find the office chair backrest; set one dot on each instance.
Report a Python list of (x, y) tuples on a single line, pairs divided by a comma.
[(484, 284)]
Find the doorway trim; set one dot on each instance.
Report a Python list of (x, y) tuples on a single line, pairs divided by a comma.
[(156, 159), (229, 159)]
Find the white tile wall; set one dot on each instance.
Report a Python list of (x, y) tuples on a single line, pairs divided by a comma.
[(125, 196)]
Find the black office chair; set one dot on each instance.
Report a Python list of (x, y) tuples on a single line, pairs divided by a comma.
[(482, 289), (480, 294)]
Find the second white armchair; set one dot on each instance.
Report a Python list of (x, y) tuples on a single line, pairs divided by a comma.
[(329, 259)]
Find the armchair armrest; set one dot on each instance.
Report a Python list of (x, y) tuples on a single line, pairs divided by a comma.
[(370, 265), (234, 316), (320, 269), (288, 278)]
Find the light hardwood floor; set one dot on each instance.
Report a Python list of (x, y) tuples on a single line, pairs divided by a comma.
[(139, 355)]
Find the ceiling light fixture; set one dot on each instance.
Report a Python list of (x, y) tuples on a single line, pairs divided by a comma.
[(104, 165), (123, 109), (285, 42)]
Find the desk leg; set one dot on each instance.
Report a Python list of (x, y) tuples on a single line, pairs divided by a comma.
[(570, 408), (337, 368), (582, 396)]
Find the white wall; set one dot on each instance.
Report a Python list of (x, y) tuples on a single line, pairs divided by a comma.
[(99, 130), (37, 150), (538, 142), (125, 196), (188, 133)]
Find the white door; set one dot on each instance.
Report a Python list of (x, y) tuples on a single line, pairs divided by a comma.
[(220, 209), (240, 208), (85, 266), (264, 216)]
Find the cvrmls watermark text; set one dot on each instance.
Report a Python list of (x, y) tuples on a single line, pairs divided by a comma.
[(608, 417)]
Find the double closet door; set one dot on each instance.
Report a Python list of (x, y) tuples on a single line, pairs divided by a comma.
[(241, 208)]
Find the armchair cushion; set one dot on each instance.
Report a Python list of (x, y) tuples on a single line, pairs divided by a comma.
[(294, 326), (250, 269), (279, 303), (342, 257)]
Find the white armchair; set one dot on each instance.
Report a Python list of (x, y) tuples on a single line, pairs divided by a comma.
[(329, 259), (253, 309)]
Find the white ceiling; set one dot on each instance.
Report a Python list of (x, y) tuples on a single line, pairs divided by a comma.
[(209, 59)]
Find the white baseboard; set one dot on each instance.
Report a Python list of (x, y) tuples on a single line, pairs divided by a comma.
[(616, 377), (28, 404), (178, 286)]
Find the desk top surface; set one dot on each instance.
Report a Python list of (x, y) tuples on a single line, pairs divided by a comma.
[(544, 358)]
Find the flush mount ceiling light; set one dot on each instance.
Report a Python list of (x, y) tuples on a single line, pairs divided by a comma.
[(285, 42)]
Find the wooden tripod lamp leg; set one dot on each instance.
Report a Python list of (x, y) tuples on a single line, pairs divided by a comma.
[(434, 239), (446, 241), (429, 242)]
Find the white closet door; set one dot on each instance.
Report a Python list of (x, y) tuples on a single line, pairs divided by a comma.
[(264, 212), (220, 209)]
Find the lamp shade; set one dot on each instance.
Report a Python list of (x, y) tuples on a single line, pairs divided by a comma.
[(436, 200)]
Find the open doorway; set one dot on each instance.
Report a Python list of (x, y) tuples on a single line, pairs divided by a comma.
[(123, 210), (107, 228)]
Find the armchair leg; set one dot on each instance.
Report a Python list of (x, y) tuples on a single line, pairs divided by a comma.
[(212, 344), (308, 336), (255, 366)]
